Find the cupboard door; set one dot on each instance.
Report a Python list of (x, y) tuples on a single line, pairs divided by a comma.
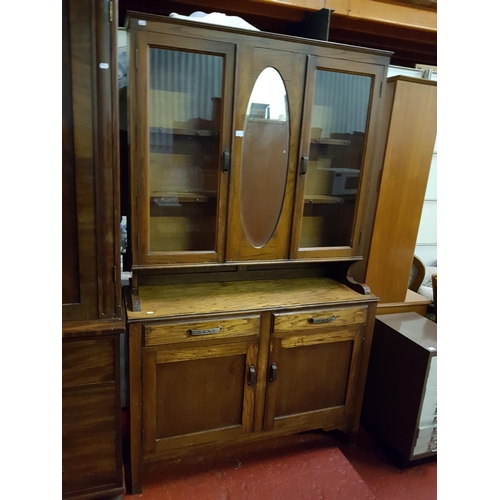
[(198, 394), (312, 369), (268, 111), (90, 227), (182, 147), (336, 144)]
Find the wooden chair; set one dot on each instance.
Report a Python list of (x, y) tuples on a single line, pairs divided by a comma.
[(417, 274), (435, 293)]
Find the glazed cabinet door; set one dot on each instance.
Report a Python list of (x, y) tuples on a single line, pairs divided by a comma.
[(336, 156), (313, 364), (201, 389), (180, 117), (268, 112)]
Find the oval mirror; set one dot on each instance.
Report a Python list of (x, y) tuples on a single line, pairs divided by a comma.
[(265, 157)]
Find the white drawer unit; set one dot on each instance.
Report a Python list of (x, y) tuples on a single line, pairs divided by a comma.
[(427, 432), (400, 402)]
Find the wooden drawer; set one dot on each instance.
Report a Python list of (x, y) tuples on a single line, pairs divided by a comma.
[(312, 320), (88, 361), (92, 408), (194, 331), (89, 460)]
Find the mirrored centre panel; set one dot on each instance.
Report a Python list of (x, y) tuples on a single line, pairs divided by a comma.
[(265, 154), (184, 105), (335, 159)]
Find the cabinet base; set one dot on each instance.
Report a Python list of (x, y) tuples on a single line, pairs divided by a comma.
[(230, 451)]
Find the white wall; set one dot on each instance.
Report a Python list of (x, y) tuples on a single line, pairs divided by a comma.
[(426, 247)]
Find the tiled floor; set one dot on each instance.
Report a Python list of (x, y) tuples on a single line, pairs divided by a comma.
[(310, 466)]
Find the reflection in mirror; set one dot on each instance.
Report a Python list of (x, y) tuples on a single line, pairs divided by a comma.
[(264, 158)]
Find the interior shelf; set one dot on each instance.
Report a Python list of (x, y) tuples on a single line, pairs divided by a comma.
[(163, 198), (184, 131), (326, 199), (331, 142)]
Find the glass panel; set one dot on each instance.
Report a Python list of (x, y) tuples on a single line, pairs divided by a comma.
[(265, 157), (185, 92), (338, 127)]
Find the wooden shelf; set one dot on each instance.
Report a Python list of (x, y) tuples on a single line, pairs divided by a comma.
[(162, 198), (184, 131), (327, 199), (331, 142)]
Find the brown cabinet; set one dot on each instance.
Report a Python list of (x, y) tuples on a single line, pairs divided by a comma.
[(248, 146), (400, 402), (91, 294), (252, 173), (231, 362)]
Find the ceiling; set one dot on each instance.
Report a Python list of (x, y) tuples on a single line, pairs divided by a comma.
[(410, 46)]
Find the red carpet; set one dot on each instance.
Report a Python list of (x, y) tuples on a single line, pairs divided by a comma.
[(311, 466)]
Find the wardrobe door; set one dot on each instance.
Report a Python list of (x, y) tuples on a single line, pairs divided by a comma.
[(90, 222)]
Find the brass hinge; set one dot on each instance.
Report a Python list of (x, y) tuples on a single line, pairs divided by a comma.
[(136, 57), (114, 274), (380, 91), (359, 239), (110, 11)]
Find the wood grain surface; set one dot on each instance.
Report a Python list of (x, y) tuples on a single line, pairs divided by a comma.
[(175, 301)]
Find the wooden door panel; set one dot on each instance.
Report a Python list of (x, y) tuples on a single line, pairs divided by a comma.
[(315, 376), (208, 395), (90, 222), (78, 197), (194, 395)]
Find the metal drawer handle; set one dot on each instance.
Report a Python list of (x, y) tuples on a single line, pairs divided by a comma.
[(208, 331), (317, 321), (252, 375)]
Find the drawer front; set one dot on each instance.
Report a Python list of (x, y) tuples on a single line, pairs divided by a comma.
[(312, 320), (195, 331), (89, 460), (90, 408), (89, 361), (425, 444)]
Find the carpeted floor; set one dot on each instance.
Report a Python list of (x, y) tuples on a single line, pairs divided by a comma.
[(309, 466)]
